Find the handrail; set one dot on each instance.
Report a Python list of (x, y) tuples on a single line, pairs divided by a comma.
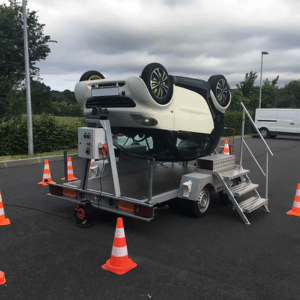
[(245, 109), (254, 157), (267, 147)]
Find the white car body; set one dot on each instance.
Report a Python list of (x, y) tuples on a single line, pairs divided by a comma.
[(178, 115), (167, 118), (277, 121)]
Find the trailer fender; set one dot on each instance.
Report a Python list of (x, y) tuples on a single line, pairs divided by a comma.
[(192, 184)]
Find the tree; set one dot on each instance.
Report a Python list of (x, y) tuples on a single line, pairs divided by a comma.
[(247, 85), (289, 95), (269, 93), (41, 98), (12, 65), (12, 43), (12, 101)]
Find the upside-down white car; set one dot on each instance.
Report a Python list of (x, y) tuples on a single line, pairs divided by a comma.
[(156, 115)]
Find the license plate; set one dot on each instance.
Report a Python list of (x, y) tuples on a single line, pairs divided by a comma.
[(99, 200), (111, 91)]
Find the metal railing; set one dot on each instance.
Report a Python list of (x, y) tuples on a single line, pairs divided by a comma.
[(268, 150)]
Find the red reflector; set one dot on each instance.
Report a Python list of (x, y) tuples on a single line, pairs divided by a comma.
[(143, 211), (126, 206), (88, 143), (69, 192), (55, 190)]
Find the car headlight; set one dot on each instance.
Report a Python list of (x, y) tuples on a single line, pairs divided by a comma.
[(144, 120)]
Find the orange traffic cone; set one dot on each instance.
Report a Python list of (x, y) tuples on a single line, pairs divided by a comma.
[(119, 262), (3, 220), (71, 176), (226, 148), (46, 174), (2, 278), (295, 211)]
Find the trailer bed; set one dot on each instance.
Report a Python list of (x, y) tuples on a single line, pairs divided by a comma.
[(134, 184)]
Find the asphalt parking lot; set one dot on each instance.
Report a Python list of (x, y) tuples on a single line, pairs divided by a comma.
[(44, 256)]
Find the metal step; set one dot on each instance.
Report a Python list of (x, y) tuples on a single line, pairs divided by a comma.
[(216, 162), (234, 173), (243, 188), (252, 204)]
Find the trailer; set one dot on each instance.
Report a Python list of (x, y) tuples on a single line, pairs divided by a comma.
[(138, 188)]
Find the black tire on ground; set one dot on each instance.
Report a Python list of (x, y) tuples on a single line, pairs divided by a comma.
[(219, 86), (84, 213), (264, 132), (91, 75), (201, 207), (158, 82)]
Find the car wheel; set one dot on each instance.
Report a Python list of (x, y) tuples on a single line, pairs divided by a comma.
[(221, 92), (200, 207), (91, 75), (264, 132), (158, 82)]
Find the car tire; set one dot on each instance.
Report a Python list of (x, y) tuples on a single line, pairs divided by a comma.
[(221, 92), (265, 133), (159, 83), (91, 75)]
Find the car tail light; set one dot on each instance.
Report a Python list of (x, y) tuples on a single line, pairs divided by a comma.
[(143, 211)]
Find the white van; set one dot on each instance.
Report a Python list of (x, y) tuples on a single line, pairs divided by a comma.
[(274, 121)]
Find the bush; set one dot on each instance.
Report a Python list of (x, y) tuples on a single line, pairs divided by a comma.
[(48, 135), (233, 119)]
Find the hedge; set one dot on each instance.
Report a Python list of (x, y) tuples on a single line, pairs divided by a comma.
[(48, 135), (233, 119)]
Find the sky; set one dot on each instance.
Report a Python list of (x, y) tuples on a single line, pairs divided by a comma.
[(193, 38)]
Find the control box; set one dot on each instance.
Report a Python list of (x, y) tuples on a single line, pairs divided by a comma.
[(91, 143)]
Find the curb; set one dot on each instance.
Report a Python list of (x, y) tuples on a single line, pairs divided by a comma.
[(31, 161)]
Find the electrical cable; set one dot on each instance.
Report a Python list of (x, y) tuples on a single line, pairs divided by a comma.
[(39, 210), (100, 181)]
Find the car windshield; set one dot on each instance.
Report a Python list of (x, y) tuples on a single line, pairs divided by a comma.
[(162, 145)]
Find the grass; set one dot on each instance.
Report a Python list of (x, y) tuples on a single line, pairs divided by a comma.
[(46, 154)]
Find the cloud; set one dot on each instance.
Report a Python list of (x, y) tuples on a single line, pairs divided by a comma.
[(196, 38)]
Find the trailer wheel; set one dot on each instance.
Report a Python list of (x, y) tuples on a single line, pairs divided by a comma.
[(200, 207), (223, 197)]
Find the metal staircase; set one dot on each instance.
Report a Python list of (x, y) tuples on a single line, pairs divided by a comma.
[(236, 181)]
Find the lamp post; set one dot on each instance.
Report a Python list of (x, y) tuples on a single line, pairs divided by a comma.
[(262, 54), (27, 79)]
